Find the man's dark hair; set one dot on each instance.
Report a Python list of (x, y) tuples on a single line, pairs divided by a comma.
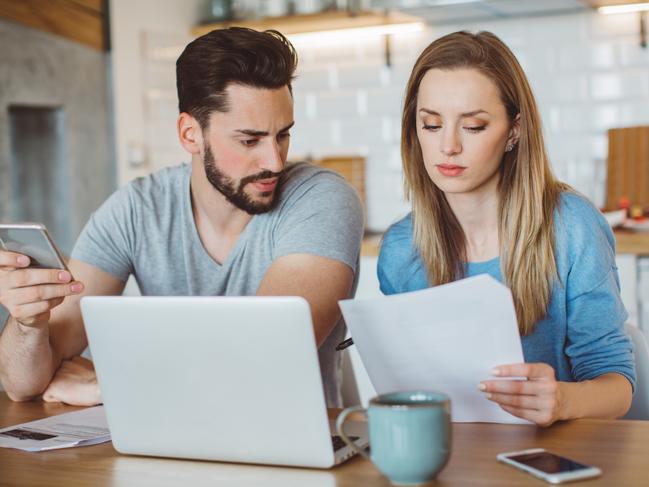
[(231, 56)]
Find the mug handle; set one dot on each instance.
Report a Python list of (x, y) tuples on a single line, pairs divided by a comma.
[(340, 428)]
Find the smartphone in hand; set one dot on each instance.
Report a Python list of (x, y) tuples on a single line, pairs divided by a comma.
[(547, 466), (34, 241)]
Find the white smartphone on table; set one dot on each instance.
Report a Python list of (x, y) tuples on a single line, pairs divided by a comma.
[(34, 241), (547, 466)]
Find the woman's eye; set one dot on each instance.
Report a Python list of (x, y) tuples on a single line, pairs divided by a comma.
[(431, 128), (249, 142), (479, 128), (283, 136)]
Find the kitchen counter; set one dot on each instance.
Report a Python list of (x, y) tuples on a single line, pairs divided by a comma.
[(627, 242), (371, 244), (631, 242)]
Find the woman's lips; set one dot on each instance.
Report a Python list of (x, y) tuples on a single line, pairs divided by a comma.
[(450, 170)]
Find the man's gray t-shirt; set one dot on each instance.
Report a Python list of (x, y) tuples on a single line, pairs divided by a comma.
[(147, 229)]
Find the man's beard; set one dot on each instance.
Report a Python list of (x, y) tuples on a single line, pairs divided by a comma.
[(235, 193)]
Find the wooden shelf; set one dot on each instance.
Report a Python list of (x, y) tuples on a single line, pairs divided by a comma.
[(325, 21), (608, 3), (78, 20)]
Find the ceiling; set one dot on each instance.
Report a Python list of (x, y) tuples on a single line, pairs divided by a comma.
[(448, 11)]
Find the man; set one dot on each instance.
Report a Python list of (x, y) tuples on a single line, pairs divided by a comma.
[(236, 221)]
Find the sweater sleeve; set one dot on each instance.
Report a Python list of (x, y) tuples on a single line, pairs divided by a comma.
[(596, 341)]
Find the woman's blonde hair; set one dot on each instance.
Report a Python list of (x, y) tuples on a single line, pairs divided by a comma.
[(528, 191)]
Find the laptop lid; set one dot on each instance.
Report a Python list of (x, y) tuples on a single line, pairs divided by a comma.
[(216, 378)]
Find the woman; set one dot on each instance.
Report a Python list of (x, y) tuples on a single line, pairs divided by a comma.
[(484, 200)]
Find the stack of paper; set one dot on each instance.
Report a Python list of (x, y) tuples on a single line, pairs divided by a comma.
[(446, 338), (79, 428)]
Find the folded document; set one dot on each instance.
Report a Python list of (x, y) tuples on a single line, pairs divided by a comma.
[(446, 338), (78, 428)]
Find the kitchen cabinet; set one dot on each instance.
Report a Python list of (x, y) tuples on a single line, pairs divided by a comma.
[(633, 267)]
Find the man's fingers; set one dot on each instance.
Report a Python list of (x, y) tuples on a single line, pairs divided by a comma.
[(54, 392), (83, 361), (33, 277), (48, 398), (29, 305), (70, 387), (67, 366), (12, 260), (531, 371), (44, 292), (31, 313)]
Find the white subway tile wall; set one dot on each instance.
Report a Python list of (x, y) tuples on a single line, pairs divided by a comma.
[(587, 70)]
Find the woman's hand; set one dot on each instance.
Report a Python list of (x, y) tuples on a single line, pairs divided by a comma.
[(538, 399)]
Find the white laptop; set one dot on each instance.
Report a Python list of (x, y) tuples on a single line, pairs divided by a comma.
[(232, 379)]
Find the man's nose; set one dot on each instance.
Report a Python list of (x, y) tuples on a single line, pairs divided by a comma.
[(273, 159)]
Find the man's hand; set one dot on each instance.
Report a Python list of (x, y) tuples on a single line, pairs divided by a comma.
[(30, 294), (74, 383)]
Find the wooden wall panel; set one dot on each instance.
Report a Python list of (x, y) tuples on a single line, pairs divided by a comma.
[(628, 166), (79, 20), (352, 168)]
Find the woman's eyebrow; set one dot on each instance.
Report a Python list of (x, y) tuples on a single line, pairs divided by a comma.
[(472, 113)]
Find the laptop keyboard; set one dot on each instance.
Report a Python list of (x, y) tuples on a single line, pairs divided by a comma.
[(339, 443)]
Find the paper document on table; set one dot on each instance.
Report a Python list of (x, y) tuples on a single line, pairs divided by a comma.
[(78, 428), (446, 338)]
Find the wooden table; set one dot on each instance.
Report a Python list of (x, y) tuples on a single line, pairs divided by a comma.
[(619, 448)]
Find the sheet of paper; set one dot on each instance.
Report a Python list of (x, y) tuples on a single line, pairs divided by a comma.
[(446, 338), (78, 428)]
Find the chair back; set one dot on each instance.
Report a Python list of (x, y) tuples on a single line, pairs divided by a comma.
[(640, 405)]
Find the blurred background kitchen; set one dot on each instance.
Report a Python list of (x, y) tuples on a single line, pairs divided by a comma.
[(88, 100)]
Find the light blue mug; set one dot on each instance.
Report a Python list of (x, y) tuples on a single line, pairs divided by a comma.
[(410, 434)]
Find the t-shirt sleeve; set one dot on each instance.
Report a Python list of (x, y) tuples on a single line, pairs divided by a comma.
[(596, 341), (107, 240), (322, 216)]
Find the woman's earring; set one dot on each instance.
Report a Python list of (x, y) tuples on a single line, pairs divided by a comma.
[(509, 147)]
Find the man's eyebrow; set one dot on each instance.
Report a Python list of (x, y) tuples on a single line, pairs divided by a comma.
[(253, 133), (466, 114), (261, 133)]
